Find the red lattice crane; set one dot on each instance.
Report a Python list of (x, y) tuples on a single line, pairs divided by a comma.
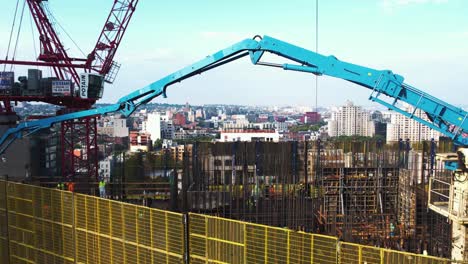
[(101, 58), (86, 76)]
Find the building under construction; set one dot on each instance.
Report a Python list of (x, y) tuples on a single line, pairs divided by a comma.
[(363, 192)]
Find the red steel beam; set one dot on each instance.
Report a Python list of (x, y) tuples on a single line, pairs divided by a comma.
[(39, 63)]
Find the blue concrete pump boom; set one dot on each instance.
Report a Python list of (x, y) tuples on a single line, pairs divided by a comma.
[(386, 88)]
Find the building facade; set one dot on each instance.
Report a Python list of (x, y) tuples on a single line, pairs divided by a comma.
[(159, 126), (310, 118), (105, 169), (139, 141), (351, 120), (402, 127), (113, 127)]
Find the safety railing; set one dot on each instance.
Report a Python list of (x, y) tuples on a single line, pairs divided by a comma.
[(129, 190), (4, 245), (219, 240), (41, 225), (359, 254), (53, 226), (448, 201)]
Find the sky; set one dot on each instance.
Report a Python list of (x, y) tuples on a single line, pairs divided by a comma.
[(426, 41)]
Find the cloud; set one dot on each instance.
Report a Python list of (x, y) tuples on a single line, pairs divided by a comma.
[(391, 5)]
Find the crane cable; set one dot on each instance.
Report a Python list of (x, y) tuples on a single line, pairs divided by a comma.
[(18, 34), (33, 37), (51, 15), (56, 22), (11, 33), (316, 50)]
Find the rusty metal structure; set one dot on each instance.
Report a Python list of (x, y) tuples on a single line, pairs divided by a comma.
[(361, 192)]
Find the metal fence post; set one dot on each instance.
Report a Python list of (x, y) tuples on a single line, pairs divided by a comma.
[(312, 249), (288, 248), (187, 237), (382, 256), (338, 252), (6, 220), (74, 236), (245, 243)]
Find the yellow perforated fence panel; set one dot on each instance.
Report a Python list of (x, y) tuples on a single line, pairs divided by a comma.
[(355, 253), (53, 226), (40, 225), (4, 256), (219, 240), (114, 232)]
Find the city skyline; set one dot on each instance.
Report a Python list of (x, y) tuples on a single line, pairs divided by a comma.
[(380, 34)]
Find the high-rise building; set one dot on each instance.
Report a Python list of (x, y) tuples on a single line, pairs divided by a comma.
[(159, 126), (153, 125), (351, 120), (402, 127)]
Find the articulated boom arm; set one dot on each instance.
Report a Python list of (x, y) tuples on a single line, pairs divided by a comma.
[(444, 117)]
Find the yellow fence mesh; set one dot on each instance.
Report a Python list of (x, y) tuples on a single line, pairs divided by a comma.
[(53, 226), (4, 256), (219, 240), (39, 225)]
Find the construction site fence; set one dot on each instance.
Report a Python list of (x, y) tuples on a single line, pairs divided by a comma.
[(42, 225)]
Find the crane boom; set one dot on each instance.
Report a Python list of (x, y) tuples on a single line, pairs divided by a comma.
[(101, 58), (443, 117)]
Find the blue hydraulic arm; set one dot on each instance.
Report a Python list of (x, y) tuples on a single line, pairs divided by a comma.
[(387, 88)]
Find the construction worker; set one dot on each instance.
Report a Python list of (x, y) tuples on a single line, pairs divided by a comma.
[(71, 186), (102, 188), (60, 185), (392, 229)]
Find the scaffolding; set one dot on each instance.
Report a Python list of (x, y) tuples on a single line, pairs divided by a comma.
[(358, 193)]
